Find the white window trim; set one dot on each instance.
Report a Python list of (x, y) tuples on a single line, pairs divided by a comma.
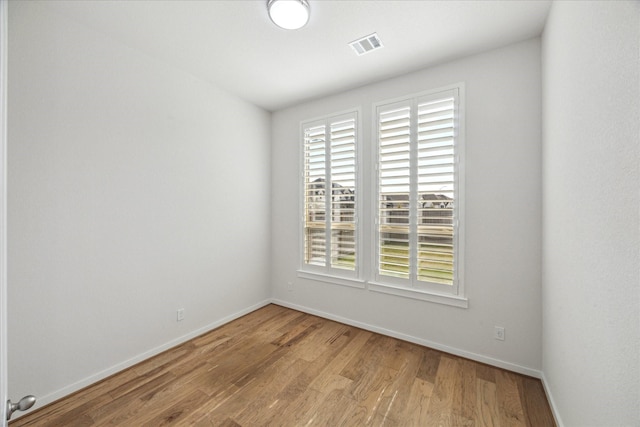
[(327, 274), (400, 287)]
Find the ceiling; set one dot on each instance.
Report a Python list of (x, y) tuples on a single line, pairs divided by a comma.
[(234, 45)]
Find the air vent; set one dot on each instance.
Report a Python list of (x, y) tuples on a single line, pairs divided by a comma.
[(366, 44)]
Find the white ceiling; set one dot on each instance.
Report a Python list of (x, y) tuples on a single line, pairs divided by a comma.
[(233, 44)]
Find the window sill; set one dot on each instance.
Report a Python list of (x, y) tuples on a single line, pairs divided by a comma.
[(335, 280), (452, 300)]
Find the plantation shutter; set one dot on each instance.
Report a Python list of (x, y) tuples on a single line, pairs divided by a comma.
[(342, 136), (416, 189), (330, 193), (394, 178), (315, 239), (436, 190)]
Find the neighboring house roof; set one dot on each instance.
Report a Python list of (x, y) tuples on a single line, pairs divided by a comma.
[(319, 184), (430, 196)]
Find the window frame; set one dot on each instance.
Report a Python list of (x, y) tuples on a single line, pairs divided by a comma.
[(327, 273), (411, 287)]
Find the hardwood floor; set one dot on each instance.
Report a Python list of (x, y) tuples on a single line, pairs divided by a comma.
[(280, 367)]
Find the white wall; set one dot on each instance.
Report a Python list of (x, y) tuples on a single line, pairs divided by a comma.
[(591, 263), (134, 190), (503, 212)]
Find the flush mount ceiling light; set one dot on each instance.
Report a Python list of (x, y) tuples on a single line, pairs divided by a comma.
[(289, 14)]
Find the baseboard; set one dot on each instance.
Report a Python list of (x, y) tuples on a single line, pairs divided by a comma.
[(552, 403), (431, 344), (59, 394)]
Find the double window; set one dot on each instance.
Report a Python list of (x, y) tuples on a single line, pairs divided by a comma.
[(415, 202)]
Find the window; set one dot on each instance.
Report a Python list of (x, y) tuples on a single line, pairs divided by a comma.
[(330, 197), (411, 240), (418, 193)]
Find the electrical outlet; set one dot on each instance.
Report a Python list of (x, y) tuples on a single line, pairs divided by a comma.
[(290, 286), (180, 315), (498, 333)]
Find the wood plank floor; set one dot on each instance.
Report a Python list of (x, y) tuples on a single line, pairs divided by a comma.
[(280, 367)]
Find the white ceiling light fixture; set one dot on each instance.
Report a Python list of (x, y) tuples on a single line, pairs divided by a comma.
[(289, 14)]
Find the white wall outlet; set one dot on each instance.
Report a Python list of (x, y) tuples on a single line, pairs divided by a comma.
[(498, 333), (290, 286), (180, 315)]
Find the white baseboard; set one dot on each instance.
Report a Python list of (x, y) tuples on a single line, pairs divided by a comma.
[(552, 403), (431, 344), (72, 388)]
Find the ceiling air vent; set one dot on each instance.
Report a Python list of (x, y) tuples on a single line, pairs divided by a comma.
[(366, 44)]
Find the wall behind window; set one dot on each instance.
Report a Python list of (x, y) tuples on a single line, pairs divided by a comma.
[(134, 189), (503, 212)]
